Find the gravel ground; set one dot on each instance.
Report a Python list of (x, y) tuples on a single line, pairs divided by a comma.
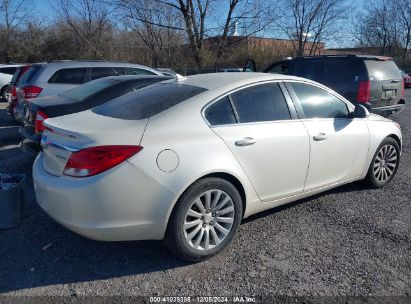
[(351, 241)]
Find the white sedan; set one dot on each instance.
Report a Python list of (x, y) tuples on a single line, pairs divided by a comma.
[(186, 160)]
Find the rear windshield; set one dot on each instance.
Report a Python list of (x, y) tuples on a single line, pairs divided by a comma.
[(383, 69), (8, 70), (88, 89), (30, 74), (148, 101)]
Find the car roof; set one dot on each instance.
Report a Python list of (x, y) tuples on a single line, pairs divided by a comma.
[(9, 65), (219, 80), (92, 63), (374, 57)]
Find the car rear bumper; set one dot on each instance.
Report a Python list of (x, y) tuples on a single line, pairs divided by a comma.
[(120, 204), (389, 110)]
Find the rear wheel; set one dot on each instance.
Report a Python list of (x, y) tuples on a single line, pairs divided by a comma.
[(4, 93), (384, 164), (205, 220)]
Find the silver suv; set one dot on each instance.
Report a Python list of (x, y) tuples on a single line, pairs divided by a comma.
[(55, 77)]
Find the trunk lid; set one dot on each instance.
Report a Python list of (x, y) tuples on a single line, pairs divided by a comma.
[(67, 134)]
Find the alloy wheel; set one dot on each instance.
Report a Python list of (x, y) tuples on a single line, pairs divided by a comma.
[(209, 220), (385, 163)]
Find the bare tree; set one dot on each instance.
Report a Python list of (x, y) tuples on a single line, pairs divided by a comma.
[(88, 20), (306, 22), (13, 14), (403, 8), (376, 27), (158, 25)]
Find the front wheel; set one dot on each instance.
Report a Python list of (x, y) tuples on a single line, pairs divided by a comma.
[(384, 164), (205, 220)]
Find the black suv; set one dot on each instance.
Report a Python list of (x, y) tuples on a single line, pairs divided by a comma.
[(374, 81)]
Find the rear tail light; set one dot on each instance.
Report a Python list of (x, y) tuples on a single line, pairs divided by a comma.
[(31, 92), (13, 93), (38, 125), (364, 91), (94, 160)]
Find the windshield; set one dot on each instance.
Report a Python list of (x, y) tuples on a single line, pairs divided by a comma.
[(88, 89)]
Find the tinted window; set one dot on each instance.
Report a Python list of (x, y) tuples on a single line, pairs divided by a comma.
[(137, 71), (318, 103), (18, 74), (29, 74), (104, 72), (88, 89), (75, 75), (383, 69), (220, 113), (305, 68), (263, 102), (339, 71), (9, 70), (148, 101), (137, 85), (279, 68)]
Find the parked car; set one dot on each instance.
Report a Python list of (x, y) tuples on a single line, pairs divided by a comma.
[(374, 81), (6, 74), (81, 98), (407, 79), (185, 161), (52, 78), (12, 92)]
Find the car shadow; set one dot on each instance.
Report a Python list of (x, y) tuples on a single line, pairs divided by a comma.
[(352, 187), (41, 252)]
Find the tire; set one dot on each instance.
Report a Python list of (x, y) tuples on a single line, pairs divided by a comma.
[(384, 164), (3, 93), (210, 239)]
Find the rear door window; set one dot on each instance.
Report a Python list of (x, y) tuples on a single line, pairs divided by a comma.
[(318, 103), (96, 73), (383, 69), (220, 113), (264, 102), (279, 68), (148, 101), (308, 68), (88, 89), (137, 71), (70, 76)]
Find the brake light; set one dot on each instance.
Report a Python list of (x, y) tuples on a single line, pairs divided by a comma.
[(95, 160), (31, 92), (38, 125), (13, 93), (364, 91)]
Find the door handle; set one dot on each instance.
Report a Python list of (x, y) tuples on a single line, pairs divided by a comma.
[(246, 141), (320, 137)]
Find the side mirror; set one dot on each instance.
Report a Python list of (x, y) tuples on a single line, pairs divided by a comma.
[(250, 66), (360, 111)]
